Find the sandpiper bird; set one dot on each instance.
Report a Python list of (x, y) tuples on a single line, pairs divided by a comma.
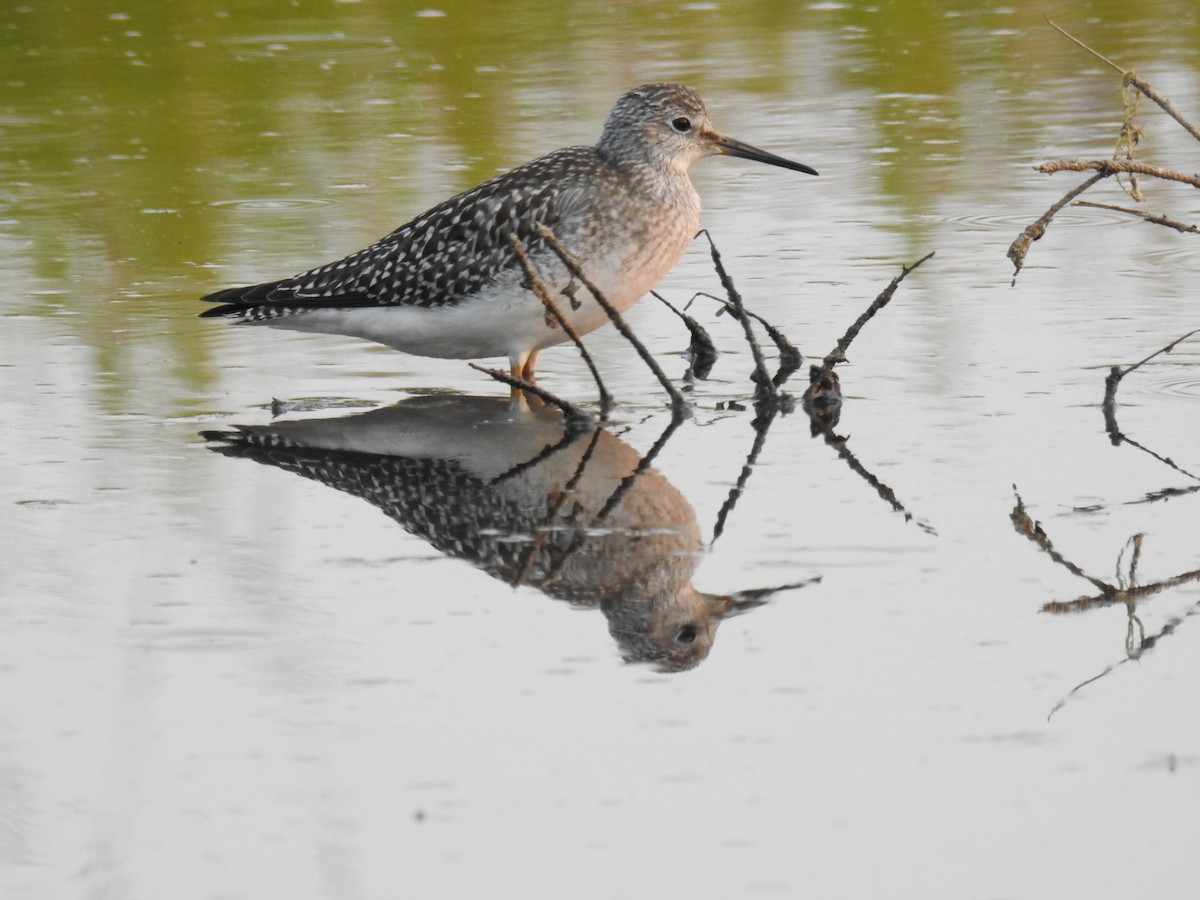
[(449, 284)]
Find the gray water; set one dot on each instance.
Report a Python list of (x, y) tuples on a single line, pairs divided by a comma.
[(227, 677)]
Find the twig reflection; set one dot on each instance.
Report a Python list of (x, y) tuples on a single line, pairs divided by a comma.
[(1125, 591)]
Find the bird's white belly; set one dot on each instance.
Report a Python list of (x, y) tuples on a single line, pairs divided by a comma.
[(502, 320), (495, 323)]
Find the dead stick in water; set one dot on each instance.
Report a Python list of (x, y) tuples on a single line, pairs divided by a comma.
[(1149, 217), (790, 358), (838, 353), (574, 415), (1108, 167), (1035, 231), (1116, 373), (677, 400), (543, 294), (764, 386), (703, 350), (1132, 78)]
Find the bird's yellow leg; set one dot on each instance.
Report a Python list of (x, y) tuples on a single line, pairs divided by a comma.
[(528, 365)]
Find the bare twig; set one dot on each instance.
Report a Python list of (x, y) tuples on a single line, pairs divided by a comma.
[(539, 288), (1034, 232), (838, 353), (764, 387), (1132, 78), (677, 400), (575, 416), (790, 358), (1108, 167), (1116, 374), (703, 350), (1149, 217), (1123, 595)]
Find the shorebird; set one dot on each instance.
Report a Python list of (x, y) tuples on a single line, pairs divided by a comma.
[(449, 284)]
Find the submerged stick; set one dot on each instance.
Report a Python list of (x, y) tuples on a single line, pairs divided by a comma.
[(543, 294), (677, 400)]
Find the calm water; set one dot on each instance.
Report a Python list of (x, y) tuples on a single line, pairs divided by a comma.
[(306, 673)]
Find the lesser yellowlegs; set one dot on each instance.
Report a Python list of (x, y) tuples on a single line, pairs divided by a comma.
[(448, 284)]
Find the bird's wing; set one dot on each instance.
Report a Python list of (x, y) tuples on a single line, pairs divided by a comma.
[(448, 253)]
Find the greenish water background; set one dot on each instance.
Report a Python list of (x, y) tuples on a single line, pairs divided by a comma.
[(217, 680)]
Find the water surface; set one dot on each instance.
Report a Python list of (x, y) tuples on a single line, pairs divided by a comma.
[(222, 678)]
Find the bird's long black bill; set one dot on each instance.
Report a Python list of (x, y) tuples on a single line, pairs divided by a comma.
[(730, 147)]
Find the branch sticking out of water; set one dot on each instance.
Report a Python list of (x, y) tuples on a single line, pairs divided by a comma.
[(575, 417), (1149, 217), (1132, 78), (764, 386), (1113, 380), (1129, 137), (702, 349), (1035, 231), (1109, 167), (543, 294), (677, 400), (790, 358), (838, 353)]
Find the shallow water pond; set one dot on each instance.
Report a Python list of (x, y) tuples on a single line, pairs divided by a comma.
[(390, 635)]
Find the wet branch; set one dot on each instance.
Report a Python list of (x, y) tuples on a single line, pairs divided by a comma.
[(1129, 136), (1132, 78), (539, 288), (790, 357), (575, 417), (1035, 231), (764, 386), (1126, 591), (1113, 381), (838, 353), (701, 347), (677, 399), (1149, 217), (1026, 526), (1109, 167)]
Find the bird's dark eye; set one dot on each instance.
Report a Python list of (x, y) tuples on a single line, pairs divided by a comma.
[(683, 124), (687, 633)]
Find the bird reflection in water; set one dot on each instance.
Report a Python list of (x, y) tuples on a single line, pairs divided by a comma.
[(581, 516)]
